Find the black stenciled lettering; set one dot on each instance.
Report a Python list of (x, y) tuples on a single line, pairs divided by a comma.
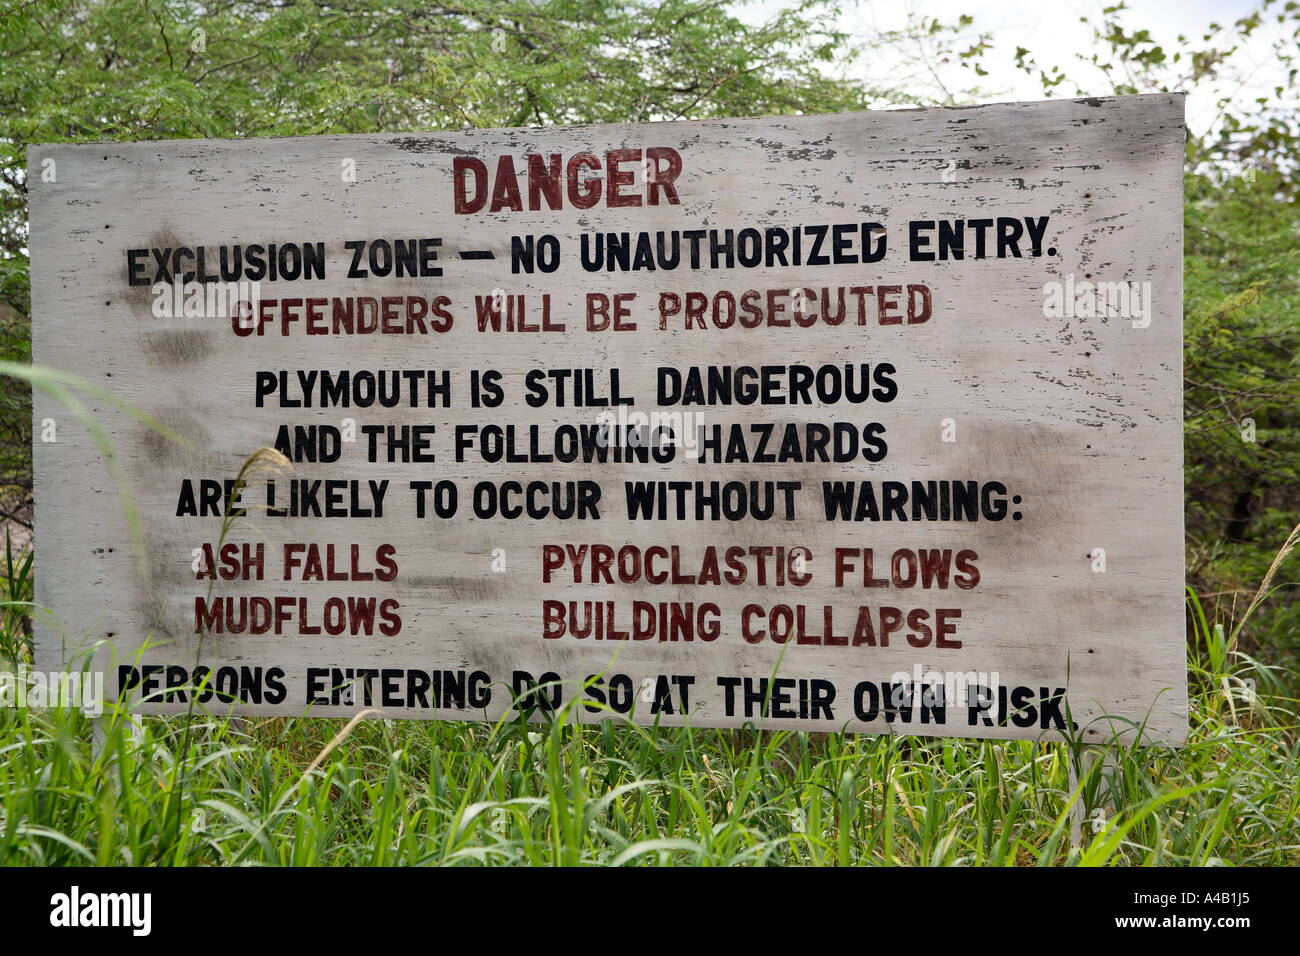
[(358, 249), (815, 256)]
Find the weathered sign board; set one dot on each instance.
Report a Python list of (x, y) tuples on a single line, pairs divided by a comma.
[(864, 422)]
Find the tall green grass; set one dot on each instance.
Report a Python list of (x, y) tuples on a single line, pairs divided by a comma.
[(211, 791)]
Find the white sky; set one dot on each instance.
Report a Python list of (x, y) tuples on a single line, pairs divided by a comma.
[(1051, 30)]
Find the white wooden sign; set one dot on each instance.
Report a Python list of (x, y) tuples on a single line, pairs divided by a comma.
[(864, 422)]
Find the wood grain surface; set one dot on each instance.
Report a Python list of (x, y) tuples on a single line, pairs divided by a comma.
[(1078, 417)]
